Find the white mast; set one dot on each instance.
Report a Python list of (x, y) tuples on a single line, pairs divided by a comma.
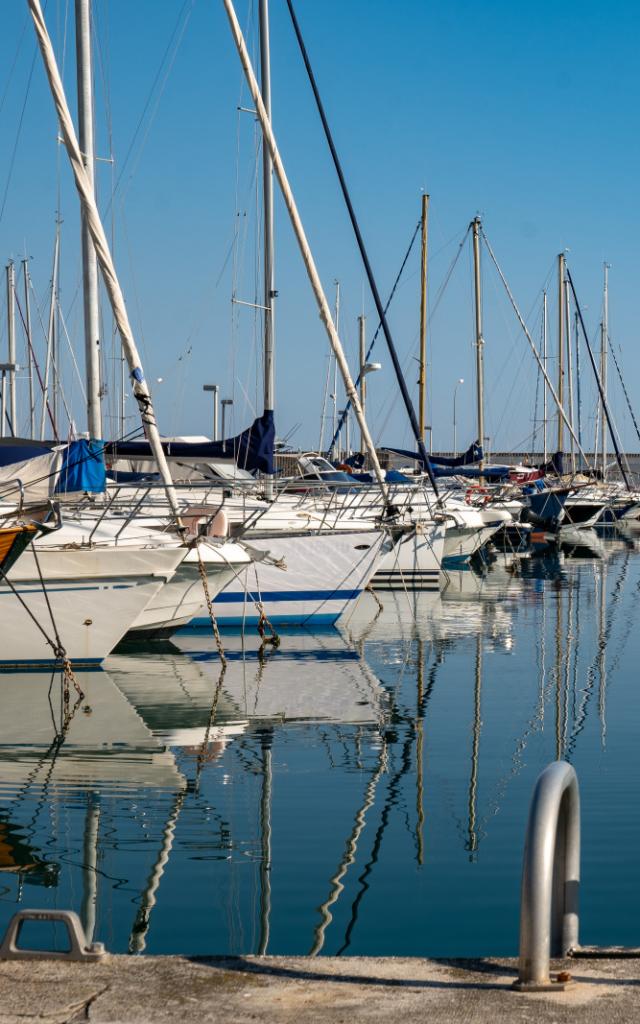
[(567, 332), (604, 341), (11, 346), (101, 245), (544, 363), (479, 337), (50, 338), (89, 261), (335, 373), (561, 315), (314, 278), (422, 379), (362, 320), (27, 314), (267, 200)]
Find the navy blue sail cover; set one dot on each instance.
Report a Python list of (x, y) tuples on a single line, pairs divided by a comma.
[(251, 450), (473, 454), (19, 449)]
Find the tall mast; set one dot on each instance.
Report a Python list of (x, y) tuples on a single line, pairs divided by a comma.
[(57, 368), (27, 317), (303, 245), (544, 383), (362, 320), (576, 321), (479, 338), (51, 353), (89, 261), (267, 201), (567, 331), (561, 315), (116, 298), (604, 340), (11, 346), (422, 379), (335, 369)]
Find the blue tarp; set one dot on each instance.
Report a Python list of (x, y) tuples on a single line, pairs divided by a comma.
[(83, 468), (251, 450)]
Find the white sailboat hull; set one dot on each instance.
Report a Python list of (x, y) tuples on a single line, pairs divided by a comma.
[(183, 598), (94, 595), (325, 573), (415, 563), (462, 542)]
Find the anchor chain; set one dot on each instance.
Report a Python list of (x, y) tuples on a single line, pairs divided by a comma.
[(370, 590), (214, 624), (263, 622)]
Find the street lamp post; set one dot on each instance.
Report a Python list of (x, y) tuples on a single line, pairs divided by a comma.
[(455, 435), (347, 439), (215, 388), (7, 368), (225, 402)]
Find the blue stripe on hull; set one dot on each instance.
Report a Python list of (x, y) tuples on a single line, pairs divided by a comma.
[(283, 655), (227, 597), (237, 621), (35, 664)]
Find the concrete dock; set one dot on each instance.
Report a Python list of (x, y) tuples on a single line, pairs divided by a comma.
[(302, 989)]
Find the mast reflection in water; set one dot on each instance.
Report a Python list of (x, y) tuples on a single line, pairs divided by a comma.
[(362, 791)]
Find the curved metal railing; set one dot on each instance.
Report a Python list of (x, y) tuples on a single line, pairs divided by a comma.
[(550, 876)]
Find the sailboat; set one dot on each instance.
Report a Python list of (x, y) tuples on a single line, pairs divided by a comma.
[(74, 596)]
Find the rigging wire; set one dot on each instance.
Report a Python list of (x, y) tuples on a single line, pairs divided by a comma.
[(14, 151), (624, 389), (363, 253), (605, 404), (14, 62), (532, 346), (168, 58), (345, 412)]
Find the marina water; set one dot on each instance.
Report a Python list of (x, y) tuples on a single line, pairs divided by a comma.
[(357, 791)]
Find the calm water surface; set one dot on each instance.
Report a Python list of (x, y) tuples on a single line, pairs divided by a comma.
[(362, 791)]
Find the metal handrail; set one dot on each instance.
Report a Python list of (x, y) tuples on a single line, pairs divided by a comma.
[(549, 919)]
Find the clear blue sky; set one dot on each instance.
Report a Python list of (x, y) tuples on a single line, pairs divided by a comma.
[(526, 114)]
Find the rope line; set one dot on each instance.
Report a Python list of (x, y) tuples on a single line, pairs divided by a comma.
[(624, 390)]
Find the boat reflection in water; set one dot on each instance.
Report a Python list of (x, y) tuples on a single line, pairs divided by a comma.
[(60, 760), (309, 677), (113, 778), (337, 794)]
